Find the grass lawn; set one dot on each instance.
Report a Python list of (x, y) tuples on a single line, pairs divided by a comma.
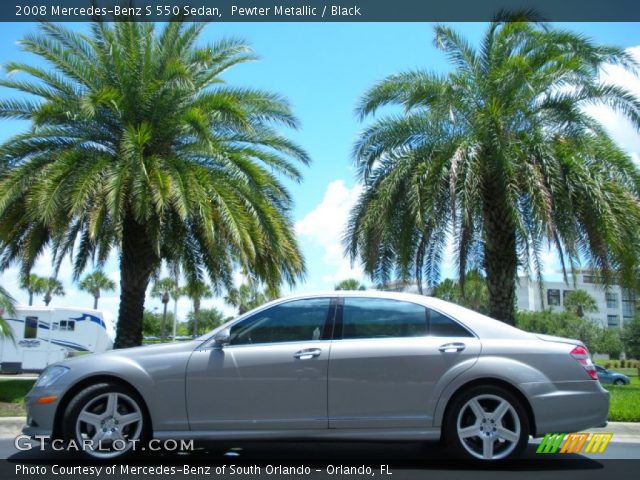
[(625, 402), (12, 392)]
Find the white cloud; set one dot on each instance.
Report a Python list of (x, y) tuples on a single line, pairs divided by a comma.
[(324, 227), (618, 126)]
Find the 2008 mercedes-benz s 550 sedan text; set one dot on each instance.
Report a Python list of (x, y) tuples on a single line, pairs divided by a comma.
[(340, 365)]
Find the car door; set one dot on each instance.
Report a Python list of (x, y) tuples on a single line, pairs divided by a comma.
[(388, 361), (272, 375)]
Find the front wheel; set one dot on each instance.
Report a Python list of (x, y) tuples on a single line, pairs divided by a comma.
[(105, 421), (486, 423)]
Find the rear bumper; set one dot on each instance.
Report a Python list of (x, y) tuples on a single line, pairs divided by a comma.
[(564, 407)]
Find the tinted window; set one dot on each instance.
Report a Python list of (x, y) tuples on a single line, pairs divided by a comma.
[(442, 326), (68, 325), (295, 321), (380, 318), (31, 327), (553, 297)]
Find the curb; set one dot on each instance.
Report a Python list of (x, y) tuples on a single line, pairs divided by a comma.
[(12, 426), (628, 429)]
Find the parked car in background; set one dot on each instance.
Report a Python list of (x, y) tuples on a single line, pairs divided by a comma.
[(607, 376), (344, 365)]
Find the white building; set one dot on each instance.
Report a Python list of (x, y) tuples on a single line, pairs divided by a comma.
[(615, 304)]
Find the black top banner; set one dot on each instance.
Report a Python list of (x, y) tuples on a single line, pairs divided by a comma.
[(313, 10)]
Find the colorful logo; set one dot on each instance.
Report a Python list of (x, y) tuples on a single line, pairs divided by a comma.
[(574, 442)]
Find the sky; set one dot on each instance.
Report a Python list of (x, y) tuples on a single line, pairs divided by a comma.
[(322, 69)]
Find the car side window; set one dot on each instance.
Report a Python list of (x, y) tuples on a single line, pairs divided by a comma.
[(294, 321), (382, 318), (442, 326)]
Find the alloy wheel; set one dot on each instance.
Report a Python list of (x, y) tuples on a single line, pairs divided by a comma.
[(488, 427), (109, 425)]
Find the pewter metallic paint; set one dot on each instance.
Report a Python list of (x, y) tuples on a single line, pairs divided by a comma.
[(359, 389)]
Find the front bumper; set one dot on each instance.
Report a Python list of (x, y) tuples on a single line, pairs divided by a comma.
[(41, 418), (564, 407)]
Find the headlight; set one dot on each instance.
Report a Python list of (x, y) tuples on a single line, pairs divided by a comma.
[(50, 375)]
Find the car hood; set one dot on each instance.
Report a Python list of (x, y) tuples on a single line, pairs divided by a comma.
[(134, 353)]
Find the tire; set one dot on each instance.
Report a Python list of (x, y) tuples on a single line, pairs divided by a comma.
[(618, 381), (111, 420), (486, 423)]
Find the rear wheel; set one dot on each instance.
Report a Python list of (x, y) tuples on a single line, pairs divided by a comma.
[(105, 421), (486, 423), (618, 381)]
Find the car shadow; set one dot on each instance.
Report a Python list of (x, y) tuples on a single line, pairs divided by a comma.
[(319, 455)]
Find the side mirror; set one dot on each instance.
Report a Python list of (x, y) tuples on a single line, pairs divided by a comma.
[(222, 338)]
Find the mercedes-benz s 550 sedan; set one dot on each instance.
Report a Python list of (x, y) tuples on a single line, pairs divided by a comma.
[(340, 365)]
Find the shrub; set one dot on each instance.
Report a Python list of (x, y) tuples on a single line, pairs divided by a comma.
[(607, 365), (623, 363), (631, 337)]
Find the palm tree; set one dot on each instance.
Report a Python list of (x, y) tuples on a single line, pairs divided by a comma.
[(33, 284), (448, 290), (474, 295), (350, 284), (501, 154), (162, 289), (137, 144), (52, 286), (97, 282), (196, 290), (249, 296), (6, 306), (208, 319), (580, 302), (176, 294)]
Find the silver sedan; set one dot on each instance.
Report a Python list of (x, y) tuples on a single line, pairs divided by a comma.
[(338, 365)]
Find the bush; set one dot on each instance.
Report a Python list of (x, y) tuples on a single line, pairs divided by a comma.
[(566, 324), (607, 365), (152, 321), (623, 364), (631, 337)]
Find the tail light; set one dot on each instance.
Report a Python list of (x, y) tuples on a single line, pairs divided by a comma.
[(581, 355)]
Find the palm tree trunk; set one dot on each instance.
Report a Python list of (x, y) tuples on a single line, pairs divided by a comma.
[(164, 321), (137, 261), (95, 301), (47, 299), (175, 319), (196, 314), (500, 256), (30, 297)]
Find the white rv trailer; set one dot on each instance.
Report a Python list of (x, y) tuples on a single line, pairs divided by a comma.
[(45, 335)]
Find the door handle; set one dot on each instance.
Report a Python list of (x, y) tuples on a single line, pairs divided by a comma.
[(454, 347), (307, 353)]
